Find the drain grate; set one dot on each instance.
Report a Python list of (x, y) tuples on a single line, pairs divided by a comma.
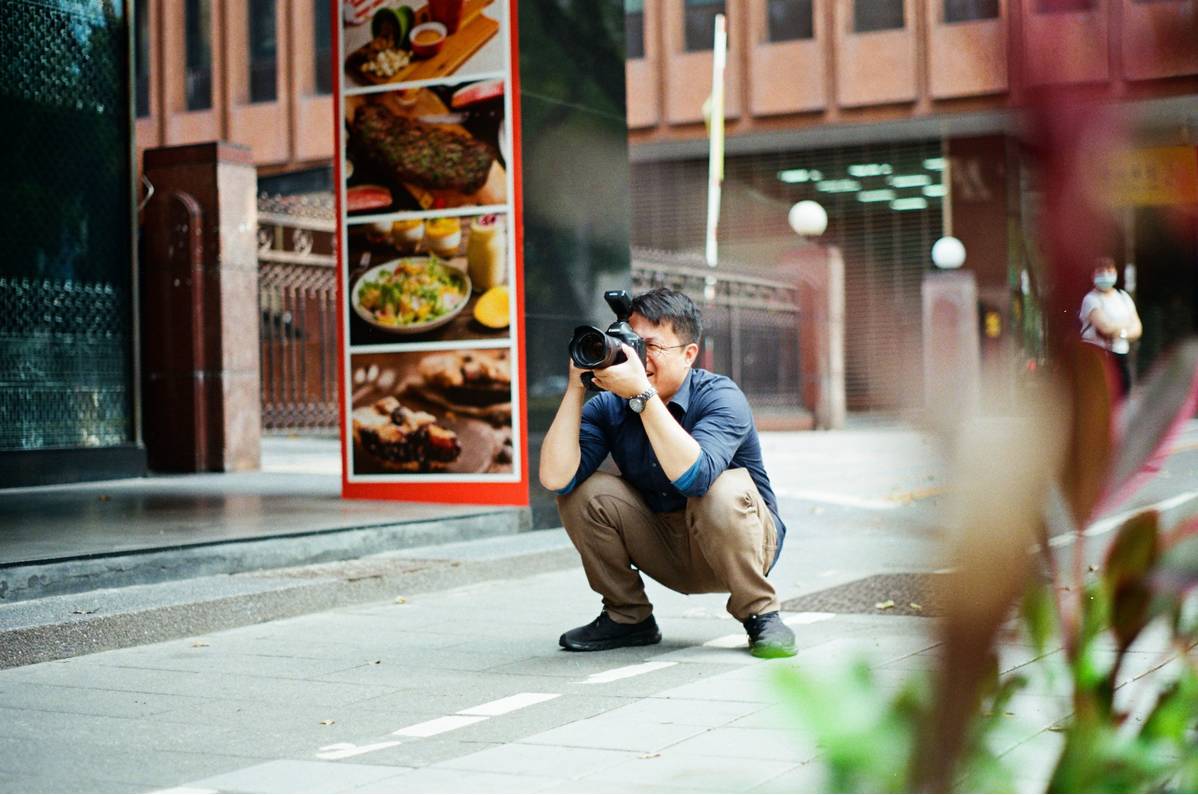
[(904, 594)]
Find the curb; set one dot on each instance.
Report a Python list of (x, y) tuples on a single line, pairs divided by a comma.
[(39, 579), (70, 625)]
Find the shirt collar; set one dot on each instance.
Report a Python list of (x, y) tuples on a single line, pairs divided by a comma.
[(682, 397)]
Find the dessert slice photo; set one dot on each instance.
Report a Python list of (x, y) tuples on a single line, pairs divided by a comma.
[(430, 412)]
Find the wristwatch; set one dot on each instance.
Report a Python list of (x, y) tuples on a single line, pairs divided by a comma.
[(638, 402)]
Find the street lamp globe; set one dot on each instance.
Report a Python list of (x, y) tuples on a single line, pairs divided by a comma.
[(808, 218), (948, 253)]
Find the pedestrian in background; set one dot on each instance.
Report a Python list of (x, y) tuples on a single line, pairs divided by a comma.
[(1109, 320)]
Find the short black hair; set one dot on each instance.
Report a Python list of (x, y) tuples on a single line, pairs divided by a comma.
[(661, 304)]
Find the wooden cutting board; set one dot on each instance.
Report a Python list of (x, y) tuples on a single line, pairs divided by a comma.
[(474, 30), (493, 191)]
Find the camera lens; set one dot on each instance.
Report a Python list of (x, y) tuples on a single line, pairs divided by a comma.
[(590, 349)]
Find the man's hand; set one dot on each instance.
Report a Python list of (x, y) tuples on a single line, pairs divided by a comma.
[(626, 379), (574, 381)]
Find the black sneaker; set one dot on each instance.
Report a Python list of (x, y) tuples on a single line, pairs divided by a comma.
[(769, 637), (603, 633)]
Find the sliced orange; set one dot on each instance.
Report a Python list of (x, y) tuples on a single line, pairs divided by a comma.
[(493, 307)]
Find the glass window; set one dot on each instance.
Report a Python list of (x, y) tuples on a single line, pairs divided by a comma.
[(699, 23), (324, 47), (1057, 6), (198, 26), (634, 28), (869, 15), (970, 10), (790, 19), (141, 57), (264, 61)]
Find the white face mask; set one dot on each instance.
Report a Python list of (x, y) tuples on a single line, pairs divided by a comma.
[(1105, 281)]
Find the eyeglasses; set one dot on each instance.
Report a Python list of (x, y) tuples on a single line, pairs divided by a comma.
[(655, 350)]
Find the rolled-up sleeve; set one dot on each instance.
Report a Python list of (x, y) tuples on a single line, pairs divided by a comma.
[(726, 421), (592, 442)]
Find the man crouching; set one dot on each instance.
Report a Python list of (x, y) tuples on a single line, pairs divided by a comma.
[(692, 507)]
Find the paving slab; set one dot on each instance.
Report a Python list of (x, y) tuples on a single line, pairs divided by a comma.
[(435, 780), (690, 772), (616, 735), (294, 775), (750, 744), (685, 712), (804, 778), (520, 758)]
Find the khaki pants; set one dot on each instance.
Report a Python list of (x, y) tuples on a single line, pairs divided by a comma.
[(723, 542)]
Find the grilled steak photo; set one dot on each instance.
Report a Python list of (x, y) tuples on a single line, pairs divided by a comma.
[(413, 152)]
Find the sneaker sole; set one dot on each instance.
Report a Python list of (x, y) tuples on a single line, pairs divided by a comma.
[(614, 643), (772, 652)]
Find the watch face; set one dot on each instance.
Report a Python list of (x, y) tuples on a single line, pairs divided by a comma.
[(636, 404)]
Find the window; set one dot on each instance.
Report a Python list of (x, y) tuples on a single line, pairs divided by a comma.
[(871, 15), (699, 23), (141, 57), (197, 23), (1058, 6), (789, 20), (324, 47), (970, 10), (634, 29), (264, 61)]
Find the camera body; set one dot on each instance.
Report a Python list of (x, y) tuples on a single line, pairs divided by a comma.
[(593, 349)]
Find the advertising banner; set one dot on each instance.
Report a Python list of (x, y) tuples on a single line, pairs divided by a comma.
[(430, 256)]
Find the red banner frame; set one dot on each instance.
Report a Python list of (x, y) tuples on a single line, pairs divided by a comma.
[(514, 493)]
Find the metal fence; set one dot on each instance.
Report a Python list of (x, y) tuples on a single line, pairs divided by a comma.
[(297, 290), (750, 324)]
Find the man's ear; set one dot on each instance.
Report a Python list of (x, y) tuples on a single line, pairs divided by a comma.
[(691, 352)]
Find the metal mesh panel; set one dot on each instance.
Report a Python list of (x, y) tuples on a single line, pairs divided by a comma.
[(63, 365), (65, 220)]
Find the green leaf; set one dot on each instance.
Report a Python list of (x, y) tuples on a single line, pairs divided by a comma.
[(1174, 713), (1128, 561), (1039, 616)]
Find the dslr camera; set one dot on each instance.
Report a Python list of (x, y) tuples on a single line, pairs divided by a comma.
[(593, 349)]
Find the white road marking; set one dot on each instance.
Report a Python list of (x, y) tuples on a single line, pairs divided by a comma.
[(337, 751), (439, 725), (625, 672), (1104, 526), (509, 704), (741, 640)]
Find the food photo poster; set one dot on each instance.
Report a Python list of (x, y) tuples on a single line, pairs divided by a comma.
[(429, 263)]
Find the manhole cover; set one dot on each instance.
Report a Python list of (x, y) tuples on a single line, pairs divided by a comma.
[(883, 594)]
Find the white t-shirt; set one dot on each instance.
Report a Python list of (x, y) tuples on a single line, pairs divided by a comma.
[(1119, 309)]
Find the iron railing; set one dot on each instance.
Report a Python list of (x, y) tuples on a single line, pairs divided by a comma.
[(297, 289), (750, 324)]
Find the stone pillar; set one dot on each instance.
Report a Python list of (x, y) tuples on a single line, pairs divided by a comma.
[(951, 354), (820, 273), (199, 315)]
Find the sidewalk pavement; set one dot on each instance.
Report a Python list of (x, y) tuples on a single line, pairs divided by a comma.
[(461, 687), (465, 690)]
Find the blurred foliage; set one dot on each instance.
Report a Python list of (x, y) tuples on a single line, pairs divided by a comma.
[(1128, 731)]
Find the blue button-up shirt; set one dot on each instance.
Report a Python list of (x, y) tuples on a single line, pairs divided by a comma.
[(712, 409)]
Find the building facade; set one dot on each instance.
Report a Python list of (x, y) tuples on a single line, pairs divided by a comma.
[(899, 117)]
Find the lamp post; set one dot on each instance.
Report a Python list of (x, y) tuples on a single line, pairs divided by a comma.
[(809, 221)]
